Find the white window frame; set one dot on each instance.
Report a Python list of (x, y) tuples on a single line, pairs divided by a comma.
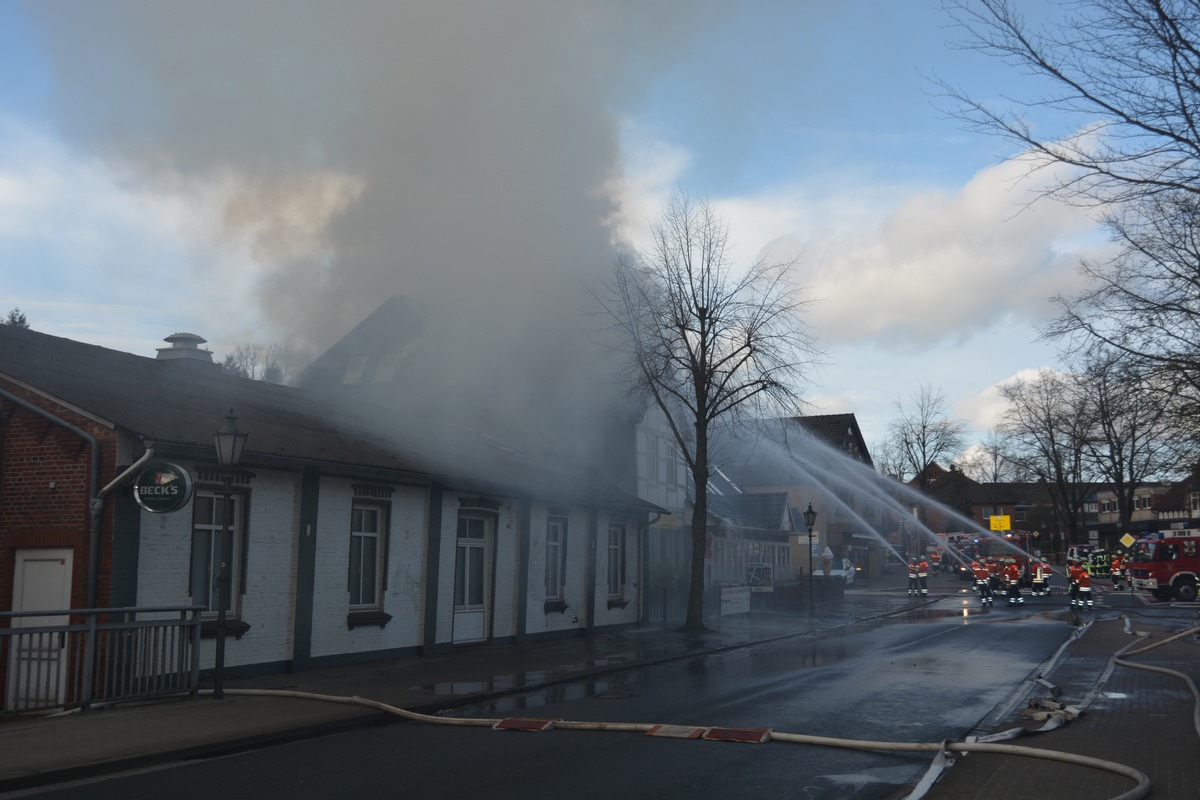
[(616, 559), (556, 557), (207, 527), (368, 538), (354, 370)]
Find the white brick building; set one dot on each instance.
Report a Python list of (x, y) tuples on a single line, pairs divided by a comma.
[(346, 545)]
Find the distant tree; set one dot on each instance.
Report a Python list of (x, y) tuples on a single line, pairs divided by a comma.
[(888, 459), (989, 461), (1049, 421), (16, 319), (706, 342), (257, 362), (923, 434), (1134, 438)]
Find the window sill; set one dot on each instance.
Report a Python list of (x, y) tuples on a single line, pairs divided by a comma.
[(362, 619), (233, 627), (552, 606), (617, 602)]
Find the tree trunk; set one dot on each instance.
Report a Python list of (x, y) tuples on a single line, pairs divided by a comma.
[(695, 610)]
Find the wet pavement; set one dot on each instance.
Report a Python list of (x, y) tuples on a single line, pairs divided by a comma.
[(1135, 717)]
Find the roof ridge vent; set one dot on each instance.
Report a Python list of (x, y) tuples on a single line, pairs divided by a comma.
[(185, 346)]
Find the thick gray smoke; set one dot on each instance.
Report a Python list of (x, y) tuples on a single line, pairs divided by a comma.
[(456, 152)]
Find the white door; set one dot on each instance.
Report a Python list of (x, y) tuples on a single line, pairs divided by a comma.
[(472, 584), (37, 669)]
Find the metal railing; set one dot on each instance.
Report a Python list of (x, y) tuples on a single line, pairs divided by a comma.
[(58, 660)]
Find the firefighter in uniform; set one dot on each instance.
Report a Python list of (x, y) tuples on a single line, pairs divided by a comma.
[(1085, 588), (912, 576), (1012, 580), (1118, 568), (922, 576), (982, 583), (935, 561), (994, 575), (1073, 571), (1041, 579)]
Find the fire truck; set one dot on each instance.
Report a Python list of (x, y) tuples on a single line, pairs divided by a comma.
[(1167, 568)]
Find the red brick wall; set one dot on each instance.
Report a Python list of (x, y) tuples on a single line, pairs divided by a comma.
[(45, 490)]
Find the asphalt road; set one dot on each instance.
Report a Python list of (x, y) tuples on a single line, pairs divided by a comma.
[(925, 677)]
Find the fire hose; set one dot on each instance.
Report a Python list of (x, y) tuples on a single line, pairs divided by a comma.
[(943, 749), (1163, 670)]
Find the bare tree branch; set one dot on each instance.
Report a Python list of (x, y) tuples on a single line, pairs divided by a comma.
[(706, 342)]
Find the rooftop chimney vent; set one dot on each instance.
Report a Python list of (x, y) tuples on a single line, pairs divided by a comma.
[(185, 347)]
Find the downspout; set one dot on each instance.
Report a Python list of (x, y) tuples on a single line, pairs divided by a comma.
[(96, 497)]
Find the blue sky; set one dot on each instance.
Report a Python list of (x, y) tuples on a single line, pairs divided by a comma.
[(270, 171)]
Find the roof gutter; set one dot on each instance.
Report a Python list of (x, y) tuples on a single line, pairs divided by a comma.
[(96, 496)]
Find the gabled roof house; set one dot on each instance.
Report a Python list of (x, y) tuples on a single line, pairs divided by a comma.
[(347, 541)]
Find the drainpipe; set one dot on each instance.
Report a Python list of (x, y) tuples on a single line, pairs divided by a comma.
[(96, 497)]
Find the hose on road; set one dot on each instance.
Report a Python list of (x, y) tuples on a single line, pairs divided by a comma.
[(1141, 781)]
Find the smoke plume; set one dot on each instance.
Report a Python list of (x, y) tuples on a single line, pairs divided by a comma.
[(458, 153)]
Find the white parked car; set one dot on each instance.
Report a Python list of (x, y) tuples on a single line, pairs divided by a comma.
[(844, 569)]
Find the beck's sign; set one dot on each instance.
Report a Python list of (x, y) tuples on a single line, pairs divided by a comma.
[(163, 487)]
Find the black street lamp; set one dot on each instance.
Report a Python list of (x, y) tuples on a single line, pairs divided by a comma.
[(810, 519), (229, 442)]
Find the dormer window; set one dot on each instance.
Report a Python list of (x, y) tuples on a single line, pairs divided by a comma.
[(354, 370)]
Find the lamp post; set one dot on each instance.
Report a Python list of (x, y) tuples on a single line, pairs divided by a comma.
[(810, 518), (229, 442)]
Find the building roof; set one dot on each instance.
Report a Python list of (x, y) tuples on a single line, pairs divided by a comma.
[(181, 401), (768, 511), (839, 431), (780, 452)]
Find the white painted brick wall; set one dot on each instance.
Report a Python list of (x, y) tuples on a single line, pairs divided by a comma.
[(616, 616), (405, 573), (574, 573), (164, 564), (269, 602)]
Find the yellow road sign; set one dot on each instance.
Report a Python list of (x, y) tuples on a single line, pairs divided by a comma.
[(1001, 522), (1128, 540)]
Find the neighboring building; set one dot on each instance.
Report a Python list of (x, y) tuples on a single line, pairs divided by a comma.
[(749, 539), (1179, 507), (1155, 505), (348, 544), (820, 460)]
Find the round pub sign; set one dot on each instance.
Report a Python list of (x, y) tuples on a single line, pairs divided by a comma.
[(163, 487)]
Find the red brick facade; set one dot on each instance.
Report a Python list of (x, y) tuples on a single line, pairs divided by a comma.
[(45, 490)]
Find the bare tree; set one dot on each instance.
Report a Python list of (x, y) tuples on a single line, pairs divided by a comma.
[(888, 459), (1126, 73), (257, 362), (706, 343), (923, 434), (1144, 302), (989, 461), (1049, 420), (1133, 440)]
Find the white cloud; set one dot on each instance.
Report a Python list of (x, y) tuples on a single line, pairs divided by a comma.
[(904, 266)]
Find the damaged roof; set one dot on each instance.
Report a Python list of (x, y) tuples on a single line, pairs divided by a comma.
[(182, 401)]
